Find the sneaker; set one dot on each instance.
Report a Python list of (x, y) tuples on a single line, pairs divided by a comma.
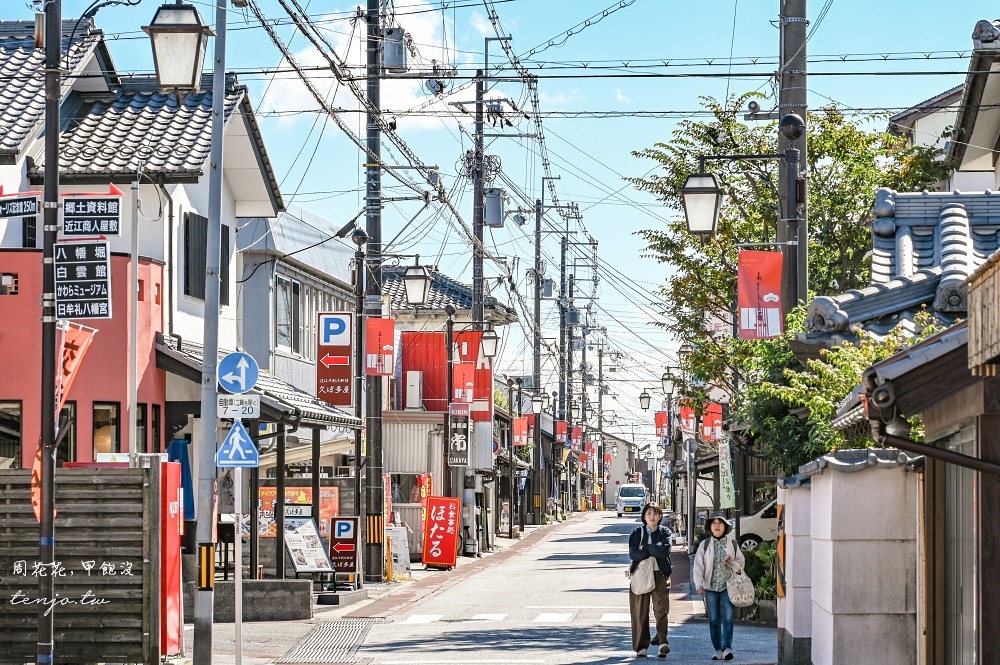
[(727, 654), (664, 650), (717, 656), (641, 653)]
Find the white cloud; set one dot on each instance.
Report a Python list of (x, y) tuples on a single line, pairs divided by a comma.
[(481, 24), (621, 97)]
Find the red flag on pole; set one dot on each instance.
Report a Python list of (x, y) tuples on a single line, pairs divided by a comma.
[(562, 431), (76, 340), (759, 294), (660, 420), (380, 347), (520, 431)]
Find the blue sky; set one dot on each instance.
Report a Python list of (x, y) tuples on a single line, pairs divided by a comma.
[(319, 167)]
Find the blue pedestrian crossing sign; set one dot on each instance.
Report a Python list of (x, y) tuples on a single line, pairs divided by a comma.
[(238, 372), (238, 450)]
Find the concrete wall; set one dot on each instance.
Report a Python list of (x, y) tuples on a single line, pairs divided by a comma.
[(864, 566), (795, 608)]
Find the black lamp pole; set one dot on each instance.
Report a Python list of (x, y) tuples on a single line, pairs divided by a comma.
[(510, 461)]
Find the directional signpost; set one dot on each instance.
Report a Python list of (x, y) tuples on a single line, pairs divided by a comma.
[(238, 373), (335, 355)]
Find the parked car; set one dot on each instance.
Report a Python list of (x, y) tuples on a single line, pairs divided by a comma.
[(631, 498), (759, 527)]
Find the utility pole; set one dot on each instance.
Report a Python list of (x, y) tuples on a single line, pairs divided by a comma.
[(599, 465), (359, 238), (478, 166), (46, 535), (375, 520), (563, 294), (793, 98), (536, 359), (570, 340)]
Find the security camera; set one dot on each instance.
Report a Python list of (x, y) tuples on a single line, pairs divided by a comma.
[(753, 107)]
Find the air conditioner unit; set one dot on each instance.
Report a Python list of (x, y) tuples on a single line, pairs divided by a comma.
[(414, 390), (344, 471)]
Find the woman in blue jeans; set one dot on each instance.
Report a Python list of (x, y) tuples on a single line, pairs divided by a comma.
[(718, 558)]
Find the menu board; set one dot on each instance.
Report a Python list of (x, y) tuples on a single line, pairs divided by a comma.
[(305, 547)]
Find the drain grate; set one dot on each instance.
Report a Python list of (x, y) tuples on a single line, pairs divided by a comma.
[(331, 642)]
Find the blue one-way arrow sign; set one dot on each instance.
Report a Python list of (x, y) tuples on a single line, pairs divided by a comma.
[(238, 450), (238, 372)]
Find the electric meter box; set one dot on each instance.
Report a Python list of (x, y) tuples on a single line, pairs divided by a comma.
[(394, 50), (493, 204)]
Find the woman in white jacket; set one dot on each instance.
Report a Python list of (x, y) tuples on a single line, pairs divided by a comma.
[(718, 558)]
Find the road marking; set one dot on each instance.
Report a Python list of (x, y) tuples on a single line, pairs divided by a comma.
[(488, 617), (552, 618), (574, 607), (423, 618), (615, 617), (463, 661)]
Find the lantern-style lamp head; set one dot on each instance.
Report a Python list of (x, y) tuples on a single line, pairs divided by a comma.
[(644, 400), (667, 383), (702, 197), (488, 342), (417, 282), (180, 38), (614, 450), (575, 410), (537, 403)]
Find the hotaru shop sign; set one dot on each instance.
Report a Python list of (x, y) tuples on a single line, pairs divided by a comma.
[(441, 534), (458, 434), (83, 280)]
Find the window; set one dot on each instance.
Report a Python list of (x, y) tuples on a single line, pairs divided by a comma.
[(10, 435), (156, 442), (404, 488), (66, 451), (195, 237), (107, 428), (287, 318), (141, 444), (8, 284), (29, 233)]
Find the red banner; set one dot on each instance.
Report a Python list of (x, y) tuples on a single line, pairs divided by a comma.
[(688, 418), (76, 341), (425, 481), (520, 431), (711, 422), (531, 426), (468, 350), (380, 347), (759, 294), (562, 429), (441, 535), (660, 419), (463, 382), (577, 437)]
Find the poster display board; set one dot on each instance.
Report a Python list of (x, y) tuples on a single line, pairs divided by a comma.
[(329, 506), (441, 534), (305, 547), (399, 549)]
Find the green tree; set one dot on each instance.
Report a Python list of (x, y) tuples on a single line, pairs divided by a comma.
[(846, 164)]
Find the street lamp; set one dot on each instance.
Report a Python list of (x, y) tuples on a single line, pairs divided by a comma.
[(488, 342), (360, 239), (417, 283), (575, 410), (702, 199), (537, 404), (179, 38), (644, 399), (667, 383)]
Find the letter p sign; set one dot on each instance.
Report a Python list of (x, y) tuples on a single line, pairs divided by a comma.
[(343, 529), (335, 329)]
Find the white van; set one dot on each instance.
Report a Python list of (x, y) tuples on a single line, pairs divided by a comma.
[(761, 526), (631, 498)]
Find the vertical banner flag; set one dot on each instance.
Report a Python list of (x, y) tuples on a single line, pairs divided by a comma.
[(759, 294), (577, 437), (727, 487), (335, 358), (660, 419), (76, 340), (458, 434), (607, 467), (688, 419), (463, 382), (520, 431), (387, 498), (562, 429), (426, 486), (531, 426), (441, 535), (469, 350), (711, 422), (380, 347)]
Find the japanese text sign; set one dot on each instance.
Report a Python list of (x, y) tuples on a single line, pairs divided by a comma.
[(91, 215), (463, 382), (759, 294), (380, 347), (441, 533), (335, 358), (688, 417), (83, 280), (577, 437), (469, 350), (459, 434)]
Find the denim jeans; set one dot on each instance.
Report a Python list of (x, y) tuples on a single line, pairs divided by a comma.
[(720, 619)]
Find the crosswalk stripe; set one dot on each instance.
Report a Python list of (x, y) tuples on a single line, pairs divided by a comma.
[(489, 617), (552, 618), (609, 617), (423, 618)]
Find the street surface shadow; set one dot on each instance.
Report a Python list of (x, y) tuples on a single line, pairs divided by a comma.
[(510, 641)]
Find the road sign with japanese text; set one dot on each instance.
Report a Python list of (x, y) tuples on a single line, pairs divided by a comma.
[(83, 280), (441, 532), (459, 434), (19, 205), (92, 214), (335, 358), (344, 544)]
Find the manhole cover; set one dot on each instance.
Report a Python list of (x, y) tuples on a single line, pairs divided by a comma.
[(330, 642)]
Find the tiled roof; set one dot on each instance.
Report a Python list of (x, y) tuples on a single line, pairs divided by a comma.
[(444, 291), (22, 95), (172, 136), (276, 395)]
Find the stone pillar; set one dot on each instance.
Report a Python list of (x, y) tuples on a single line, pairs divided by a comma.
[(864, 560), (795, 608)]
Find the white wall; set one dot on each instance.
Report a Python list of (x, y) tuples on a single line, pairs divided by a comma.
[(795, 608)]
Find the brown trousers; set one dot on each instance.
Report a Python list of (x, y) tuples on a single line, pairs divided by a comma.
[(638, 607)]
